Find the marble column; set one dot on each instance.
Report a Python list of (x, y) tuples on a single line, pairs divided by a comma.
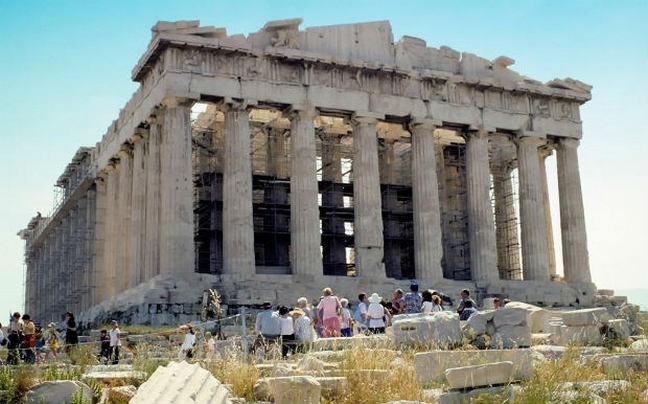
[(152, 216), (124, 210), (138, 215), (428, 246), (506, 229), (305, 236), (368, 224), (572, 213), (176, 190), (99, 244), (481, 224), (238, 230), (108, 285), (545, 152), (535, 256)]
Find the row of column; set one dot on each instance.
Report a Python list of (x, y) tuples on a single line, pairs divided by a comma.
[(305, 232), (147, 203), (145, 220)]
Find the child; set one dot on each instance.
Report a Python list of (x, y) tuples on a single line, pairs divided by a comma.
[(104, 355), (52, 340)]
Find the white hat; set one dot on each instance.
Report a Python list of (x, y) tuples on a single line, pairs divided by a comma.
[(374, 298)]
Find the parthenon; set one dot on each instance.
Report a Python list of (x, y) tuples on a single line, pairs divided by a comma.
[(271, 165)]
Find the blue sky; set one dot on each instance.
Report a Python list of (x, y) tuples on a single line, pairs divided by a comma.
[(65, 73)]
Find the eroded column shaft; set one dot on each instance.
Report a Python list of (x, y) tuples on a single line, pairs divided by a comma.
[(572, 213), (304, 210), (368, 224), (428, 248), (535, 256), (238, 231)]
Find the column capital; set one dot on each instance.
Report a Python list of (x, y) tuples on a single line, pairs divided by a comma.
[(236, 104), (366, 117), (140, 133), (530, 140), (302, 111), (172, 101), (569, 142), (426, 124)]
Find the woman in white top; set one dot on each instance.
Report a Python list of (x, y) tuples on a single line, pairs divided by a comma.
[(186, 349), (287, 331), (376, 313)]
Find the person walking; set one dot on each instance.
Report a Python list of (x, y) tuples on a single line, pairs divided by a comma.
[(28, 345), (331, 308), (71, 335), (115, 342)]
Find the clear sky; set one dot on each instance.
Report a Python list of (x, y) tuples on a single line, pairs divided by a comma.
[(66, 65)]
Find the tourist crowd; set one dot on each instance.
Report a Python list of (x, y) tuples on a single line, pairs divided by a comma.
[(295, 328), (330, 316)]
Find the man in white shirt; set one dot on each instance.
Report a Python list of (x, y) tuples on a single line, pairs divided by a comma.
[(115, 342)]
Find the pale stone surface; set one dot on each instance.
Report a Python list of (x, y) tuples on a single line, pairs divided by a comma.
[(479, 375), (640, 345), (511, 336), (585, 317), (177, 381), (499, 393), (295, 389), (580, 335), (552, 352), (439, 329), (625, 363), (618, 329), (509, 316), (60, 391), (537, 317), (475, 325), (431, 366)]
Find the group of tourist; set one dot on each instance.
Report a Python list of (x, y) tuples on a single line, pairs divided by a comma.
[(29, 342), (331, 316)]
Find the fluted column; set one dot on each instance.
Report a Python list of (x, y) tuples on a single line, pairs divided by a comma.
[(545, 152), (99, 244), (109, 276), (238, 230), (572, 214), (535, 256), (305, 236), (123, 228), (176, 190), (138, 211), (428, 246), (153, 180), (368, 224), (481, 224)]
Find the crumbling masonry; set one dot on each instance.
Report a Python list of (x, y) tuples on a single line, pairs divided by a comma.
[(273, 165)]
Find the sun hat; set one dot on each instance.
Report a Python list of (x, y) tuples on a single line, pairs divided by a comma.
[(114, 322), (374, 298), (297, 311)]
